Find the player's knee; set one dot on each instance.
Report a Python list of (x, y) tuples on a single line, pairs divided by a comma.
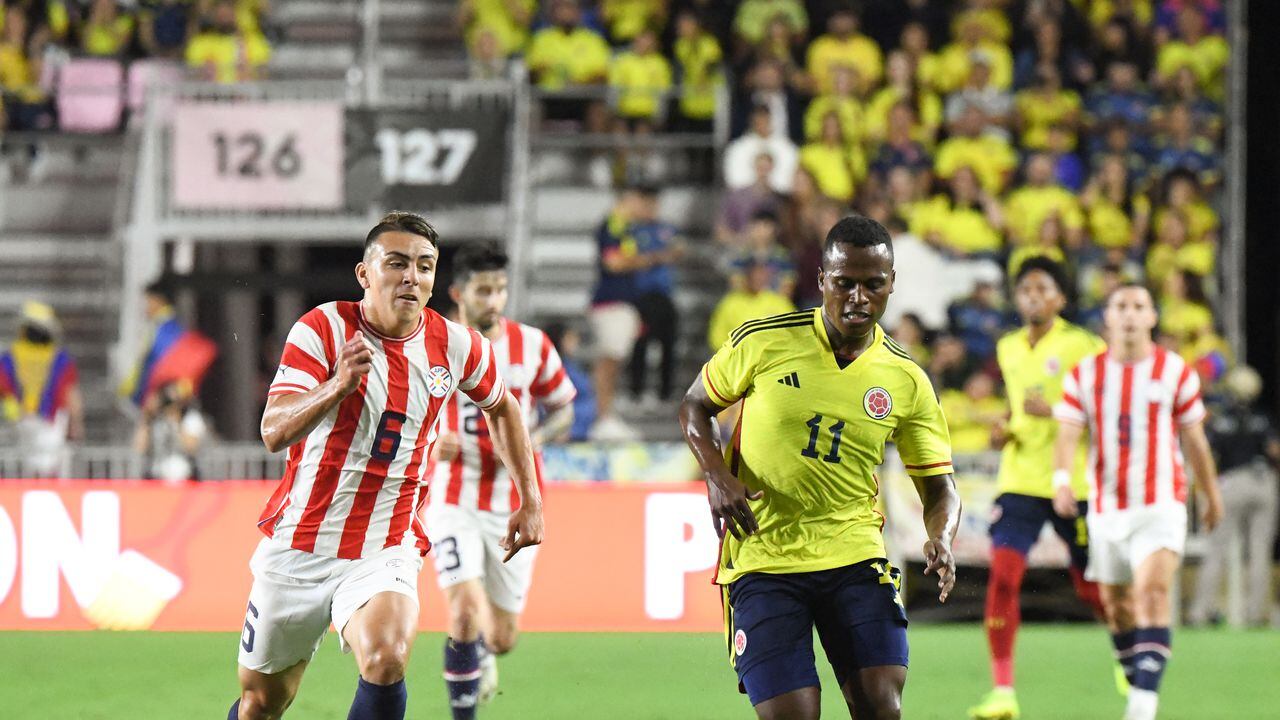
[(264, 704), (385, 663)]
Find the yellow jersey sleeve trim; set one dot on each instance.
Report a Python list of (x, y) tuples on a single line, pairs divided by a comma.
[(716, 396)]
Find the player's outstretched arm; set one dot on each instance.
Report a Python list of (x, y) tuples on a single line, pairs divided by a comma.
[(1196, 447), (726, 494), (289, 418), (941, 521), (511, 440)]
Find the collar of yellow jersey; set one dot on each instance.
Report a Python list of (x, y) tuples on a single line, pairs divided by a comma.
[(821, 330), (1054, 329)]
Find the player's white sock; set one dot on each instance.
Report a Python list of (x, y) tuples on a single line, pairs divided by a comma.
[(1142, 704), (488, 676)]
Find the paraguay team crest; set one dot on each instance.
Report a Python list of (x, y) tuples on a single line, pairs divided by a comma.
[(438, 381), (878, 403)]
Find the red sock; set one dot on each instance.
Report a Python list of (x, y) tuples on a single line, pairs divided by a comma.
[(1003, 614), (1087, 591)]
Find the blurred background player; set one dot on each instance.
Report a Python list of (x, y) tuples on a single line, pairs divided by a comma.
[(1135, 397), (473, 495), (170, 432), (1033, 360), (40, 392), (1247, 448), (343, 541), (796, 494)]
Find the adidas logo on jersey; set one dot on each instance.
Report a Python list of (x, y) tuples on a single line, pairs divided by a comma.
[(792, 380)]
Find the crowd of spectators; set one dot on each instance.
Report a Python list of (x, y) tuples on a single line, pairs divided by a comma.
[(217, 40), (981, 132)]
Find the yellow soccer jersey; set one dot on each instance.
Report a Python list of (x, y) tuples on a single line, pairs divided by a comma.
[(811, 436), (1026, 464)]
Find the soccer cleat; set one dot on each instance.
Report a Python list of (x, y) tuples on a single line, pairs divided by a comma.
[(1122, 682), (488, 677), (999, 704)]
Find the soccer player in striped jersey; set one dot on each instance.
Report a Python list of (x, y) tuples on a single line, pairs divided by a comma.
[(794, 496), (1137, 399), (357, 399), (1033, 360), (472, 495)]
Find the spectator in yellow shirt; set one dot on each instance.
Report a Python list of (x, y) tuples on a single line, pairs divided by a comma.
[(1048, 243), (990, 156), (903, 85), (1044, 105), (1205, 54), (1027, 207), (1181, 193), (107, 31), (927, 65), (972, 413), (641, 77), (964, 221), (506, 20), (836, 166), (698, 56), (1174, 250), (626, 19), (1184, 305), (842, 101), (224, 51), (754, 15), (1118, 217), (956, 57), (566, 53), (752, 301), (844, 45)]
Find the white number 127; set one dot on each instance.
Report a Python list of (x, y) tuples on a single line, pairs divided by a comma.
[(424, 157)]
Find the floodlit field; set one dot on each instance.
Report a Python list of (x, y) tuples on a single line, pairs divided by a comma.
[(1064, 672)]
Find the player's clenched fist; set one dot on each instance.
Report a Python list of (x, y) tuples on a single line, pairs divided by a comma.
[(446, 447), (355, 360)]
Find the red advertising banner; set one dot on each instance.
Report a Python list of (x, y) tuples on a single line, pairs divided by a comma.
[(131, 555)]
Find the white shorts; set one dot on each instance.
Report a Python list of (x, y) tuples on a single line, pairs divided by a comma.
[(615, 327), (296, 595), (466, 547), (1120, 541)]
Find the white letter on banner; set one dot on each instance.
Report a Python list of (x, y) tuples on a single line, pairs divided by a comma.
[(50, 544), (8, 554), (668, 555)]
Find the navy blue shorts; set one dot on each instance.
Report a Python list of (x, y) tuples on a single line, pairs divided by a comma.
[(1018, 519), (770, 620)]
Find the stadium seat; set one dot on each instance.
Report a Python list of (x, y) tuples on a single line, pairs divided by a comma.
[(89, 95), (146, 74)]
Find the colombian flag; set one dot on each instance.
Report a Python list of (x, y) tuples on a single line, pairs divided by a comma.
[(176, 353), (35, 379)]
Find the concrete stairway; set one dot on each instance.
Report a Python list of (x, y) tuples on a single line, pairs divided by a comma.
[(56, 246)]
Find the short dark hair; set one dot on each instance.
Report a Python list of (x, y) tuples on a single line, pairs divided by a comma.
[(1047, 265), (477, 257), (398, 221), (1128, 285), (858, 231), (161, 288)]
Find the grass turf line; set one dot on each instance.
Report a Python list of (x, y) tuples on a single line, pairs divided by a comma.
[(1063, 672)]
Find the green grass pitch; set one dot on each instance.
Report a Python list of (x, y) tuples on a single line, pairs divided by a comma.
[(1063, 672)]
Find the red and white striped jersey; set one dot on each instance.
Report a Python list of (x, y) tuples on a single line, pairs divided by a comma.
[(1134, 413), (350, 487), (532, 371)]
